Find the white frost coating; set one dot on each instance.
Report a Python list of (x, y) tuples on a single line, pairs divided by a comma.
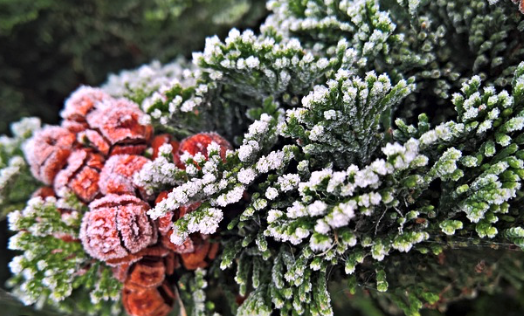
[(246, 176), (317, 208), (204, 221), (230, 197), (271, 193), (320, 244), (288, 182)]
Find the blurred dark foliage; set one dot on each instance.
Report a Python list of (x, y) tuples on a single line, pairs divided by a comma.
[(472, 281), (49, 47)]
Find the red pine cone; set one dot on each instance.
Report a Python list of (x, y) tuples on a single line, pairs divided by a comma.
[(47, 152), (145, 301), (117, 175), (81, 174), (118, 123), (106, 124), (116, 226), (160, 140), (198, 144), (81, 102)]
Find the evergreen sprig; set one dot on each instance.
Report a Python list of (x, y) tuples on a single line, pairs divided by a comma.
[(53, 267)]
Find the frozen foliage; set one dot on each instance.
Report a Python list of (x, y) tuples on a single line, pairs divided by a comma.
[(164, 92), (16, 184), (11, 169), (410, 37), (356, 186), (141, 83), (53, 263), (342, 119)]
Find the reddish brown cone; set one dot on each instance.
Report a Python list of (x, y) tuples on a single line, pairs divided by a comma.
[(198, 144)]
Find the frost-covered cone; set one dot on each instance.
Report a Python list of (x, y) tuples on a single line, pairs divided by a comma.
[(81, 102), (521, 5), (160, 140), (119, 122), (47, 152), (198, 144), (81, 175), (108, 125), (94, 140), (117, 174), (116, 226)]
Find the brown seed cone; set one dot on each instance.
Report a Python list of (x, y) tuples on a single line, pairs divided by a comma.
[(117, 175), (160, 140), (196, 259), (47, 152), (81, 174), (148, 273), (116, 226), (198, 144), (141, 301), (122, 266)]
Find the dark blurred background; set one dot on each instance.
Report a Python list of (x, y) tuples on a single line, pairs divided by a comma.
[(49, 47)]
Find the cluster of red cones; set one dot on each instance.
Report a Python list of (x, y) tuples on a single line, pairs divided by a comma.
[(94, 154)]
